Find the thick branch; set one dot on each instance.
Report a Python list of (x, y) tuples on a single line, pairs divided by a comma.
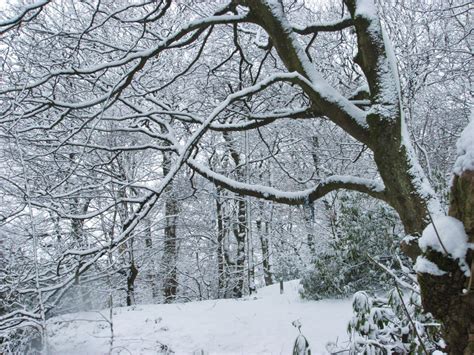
[(252, 121), (324, 27), (376, 58), (370, 187), (325, 98)]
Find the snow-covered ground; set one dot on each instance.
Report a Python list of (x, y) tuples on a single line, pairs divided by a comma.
[(257, 325)]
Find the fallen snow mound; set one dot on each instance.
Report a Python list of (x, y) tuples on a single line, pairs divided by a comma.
[(255, 325)]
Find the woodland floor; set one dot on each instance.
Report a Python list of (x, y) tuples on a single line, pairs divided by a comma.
[(255, 325)]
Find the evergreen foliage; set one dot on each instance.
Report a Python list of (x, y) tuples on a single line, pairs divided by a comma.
[(392, 325), (362, 230)]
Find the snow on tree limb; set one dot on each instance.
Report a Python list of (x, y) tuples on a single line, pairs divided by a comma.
[(143, 55), (465, 149), (373, 188), (11, 23), (338, 25)]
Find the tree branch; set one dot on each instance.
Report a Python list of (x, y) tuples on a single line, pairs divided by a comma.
[(325, 98), (9, 24), (370, 187), (325, 27)]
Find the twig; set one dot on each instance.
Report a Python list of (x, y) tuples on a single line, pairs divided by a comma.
[(437, 234), (411, 320), (395, 277)]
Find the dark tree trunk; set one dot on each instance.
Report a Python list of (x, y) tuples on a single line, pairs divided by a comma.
[(406, 187), (170, 249), (450, 297), (78, 234), (240, 234), (131, 276), (221, 263), (263, 232), (239, 230), (308, 217), (151, 275)]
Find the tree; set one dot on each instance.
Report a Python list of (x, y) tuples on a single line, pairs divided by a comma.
[(142, 67)]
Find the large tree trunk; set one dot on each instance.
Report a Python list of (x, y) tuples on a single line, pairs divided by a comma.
[(406, 187), (409, 193), (450, 297)]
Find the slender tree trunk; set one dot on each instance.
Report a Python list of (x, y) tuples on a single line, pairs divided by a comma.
[(263, 232), (240, 234), (170, 250), (131, 276), (77, 231), (308, 216), (221, 265), (151, 273), (239, 230), (308, 208), (126, 249)]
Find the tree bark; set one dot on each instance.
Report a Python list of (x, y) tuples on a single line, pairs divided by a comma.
[(170, 249), (240, 234), (240, 229), (151, 275), (221, 262), (450, 297), (131, 276), (263, 232), (406, 187)]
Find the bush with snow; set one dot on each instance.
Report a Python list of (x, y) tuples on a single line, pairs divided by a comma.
[(395, 324), (363, 232)]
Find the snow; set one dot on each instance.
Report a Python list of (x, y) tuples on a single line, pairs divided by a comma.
[(425, 266), (361, 89), (465, 149), (392, 61), (332, 23), (366, 9), (447, 236), (285, 196), (422, 184), (315, 78), (255, 325)]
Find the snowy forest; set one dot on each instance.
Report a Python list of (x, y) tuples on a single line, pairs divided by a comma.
[(236, 177)]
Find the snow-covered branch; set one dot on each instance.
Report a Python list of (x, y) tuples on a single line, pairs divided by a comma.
[(338, 25), (371, 187), (11, 23)]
